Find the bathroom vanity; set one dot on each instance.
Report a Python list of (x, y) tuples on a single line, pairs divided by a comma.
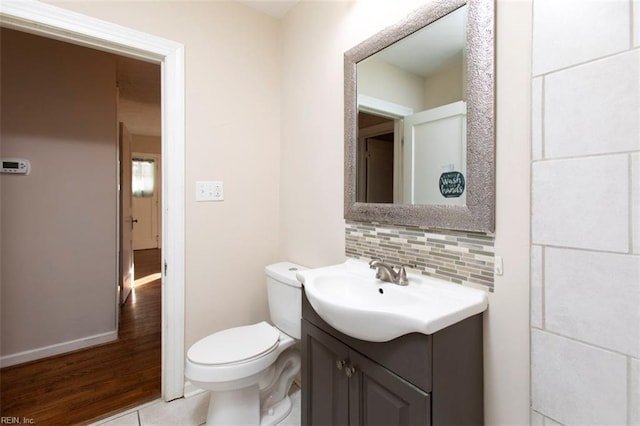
[(414, 379), (380, 351)]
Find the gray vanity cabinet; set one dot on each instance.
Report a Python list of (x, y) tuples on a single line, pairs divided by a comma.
[(323, 378), (346, 388), (379, 397), (415, 379)]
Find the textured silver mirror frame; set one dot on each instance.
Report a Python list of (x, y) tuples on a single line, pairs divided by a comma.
[(479, 213)]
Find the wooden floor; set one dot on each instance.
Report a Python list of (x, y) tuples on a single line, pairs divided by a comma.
[(90, 384)]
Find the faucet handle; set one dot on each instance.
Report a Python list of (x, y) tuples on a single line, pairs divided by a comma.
[(373, 260), (402, 273)]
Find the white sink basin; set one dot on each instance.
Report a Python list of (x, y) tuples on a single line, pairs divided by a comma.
[(353, 301)]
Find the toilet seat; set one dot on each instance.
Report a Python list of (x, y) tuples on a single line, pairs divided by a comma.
[(239, 354), (235, 345)]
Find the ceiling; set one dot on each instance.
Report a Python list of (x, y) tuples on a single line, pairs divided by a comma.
[(275, 8), (432, 49)]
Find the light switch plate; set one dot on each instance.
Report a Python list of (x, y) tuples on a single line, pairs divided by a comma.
[(209, 191)]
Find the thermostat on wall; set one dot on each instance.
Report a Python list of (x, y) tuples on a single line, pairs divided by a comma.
[(18, 166)]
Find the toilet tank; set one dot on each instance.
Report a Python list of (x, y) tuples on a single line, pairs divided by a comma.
[(285, 297)]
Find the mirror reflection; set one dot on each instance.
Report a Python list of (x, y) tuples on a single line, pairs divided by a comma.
[(411, 123)]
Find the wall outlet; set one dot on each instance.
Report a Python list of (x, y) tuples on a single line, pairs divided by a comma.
[(498, 268), (209, 191)]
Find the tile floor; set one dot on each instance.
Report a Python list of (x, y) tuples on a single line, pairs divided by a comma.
[(190, 411)]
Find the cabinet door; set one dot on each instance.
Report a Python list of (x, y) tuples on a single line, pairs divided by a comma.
[(379, 397), (325, 387)]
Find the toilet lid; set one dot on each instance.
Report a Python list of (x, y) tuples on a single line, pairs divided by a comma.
[(235, 344)]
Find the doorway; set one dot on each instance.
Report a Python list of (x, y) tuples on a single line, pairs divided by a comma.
[(375, 159), (139, 147), (53, 22), (70, 249), (146, 201)]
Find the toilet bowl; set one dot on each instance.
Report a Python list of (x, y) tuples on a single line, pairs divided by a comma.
[(248, 370)]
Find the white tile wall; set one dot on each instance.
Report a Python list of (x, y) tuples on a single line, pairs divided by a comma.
[(594, 297), (577, 384), (536, 118), (550, 422), (634, 392), (584, 107), (636, 22), (585, 227), (582, 203), (568, 32), (537, 419), (536, 287), (635, 201)]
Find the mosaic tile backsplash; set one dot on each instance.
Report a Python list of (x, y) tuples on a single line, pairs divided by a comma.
[(455, 256)]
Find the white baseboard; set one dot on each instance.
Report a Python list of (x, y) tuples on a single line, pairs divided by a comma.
[(191, 390), (59, 348)]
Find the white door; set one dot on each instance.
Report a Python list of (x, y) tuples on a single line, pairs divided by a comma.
[(126, 215), (435, 145), (146, 200)]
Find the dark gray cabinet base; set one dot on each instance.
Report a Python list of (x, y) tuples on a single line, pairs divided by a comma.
[(415, 379)]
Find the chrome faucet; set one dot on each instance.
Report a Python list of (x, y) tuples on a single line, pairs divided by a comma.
[(388, 273)]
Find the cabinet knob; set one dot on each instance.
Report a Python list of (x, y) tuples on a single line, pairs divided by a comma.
[(350, 371), (340, 364)]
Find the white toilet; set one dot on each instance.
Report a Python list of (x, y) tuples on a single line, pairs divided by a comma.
[(248, 370)]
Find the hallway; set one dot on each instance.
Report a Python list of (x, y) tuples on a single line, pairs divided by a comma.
[(89, 384)]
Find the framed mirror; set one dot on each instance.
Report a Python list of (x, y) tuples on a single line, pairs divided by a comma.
[(420, 120)]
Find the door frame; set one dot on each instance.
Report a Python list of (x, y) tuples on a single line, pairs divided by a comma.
[(53, 22)]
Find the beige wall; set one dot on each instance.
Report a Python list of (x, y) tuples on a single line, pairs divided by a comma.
[(232, 105), (446, 87), (506, 328), (315, 35), (381, 80), (58, 223), (146, 144)]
